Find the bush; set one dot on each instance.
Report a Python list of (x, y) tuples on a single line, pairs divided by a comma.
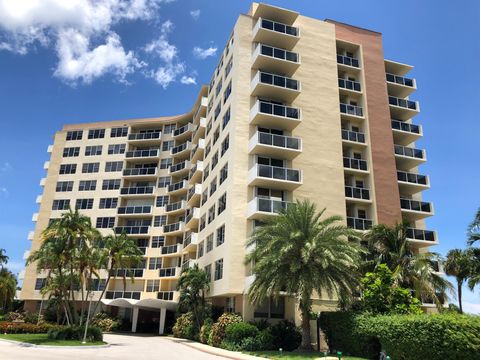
[(75, 333), (105, 322), (236, 332), (218, 329), (286, 336), (14, 316), (184, 327), (205, 331), (24, 328), (31, 318)]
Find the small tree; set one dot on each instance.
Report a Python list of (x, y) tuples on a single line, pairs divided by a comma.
[(459, 265)]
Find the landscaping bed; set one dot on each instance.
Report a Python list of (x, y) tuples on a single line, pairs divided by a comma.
[(42, 339), (296, 355)]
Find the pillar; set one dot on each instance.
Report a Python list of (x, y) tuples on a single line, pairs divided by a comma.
[(134, 319), (163, 315)]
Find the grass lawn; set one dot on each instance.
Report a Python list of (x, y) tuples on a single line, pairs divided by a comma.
[(295, 355), (41, 339)]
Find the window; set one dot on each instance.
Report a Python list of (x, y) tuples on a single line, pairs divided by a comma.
[(159, 220), (113, 184), (165, 163), (228, 67), (71, 151), (154, 263), (222, 203), (217, 111), (206, 172), (214, 160), (60, 204), (362, 214), (68, 169), (64, 186), (200, 250), (119, 132), (105, 222), (230, 304), (88, 168), (93, 150), (216, 135), (116, 149), (112, 166), (204, 196), (153, 285), (97, 284), (218, 269), (158, 241), (273, 309), (108, 203), (220, 235), (227, 92), (40, 283), (96, 134), (223, 173), (208, 270), (167, 129), (74, 135), (167, 145), (164, 181), (209, 127), (209, 243), (213, 186), (161, 201), (87, 185), (226, 118), (84, 204), (208, 148), (218, 88), (211, 214), (202, 223), (225, 144)]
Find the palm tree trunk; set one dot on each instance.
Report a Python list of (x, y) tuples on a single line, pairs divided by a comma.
[(305, 307), (459, 291), (103, 293)]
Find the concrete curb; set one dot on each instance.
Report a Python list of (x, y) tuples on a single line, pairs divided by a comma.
[(24, 344)]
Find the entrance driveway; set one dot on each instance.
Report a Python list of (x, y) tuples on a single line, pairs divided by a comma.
[(123, 347)]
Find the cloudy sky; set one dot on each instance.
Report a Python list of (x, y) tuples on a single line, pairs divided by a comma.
[(69, 61)]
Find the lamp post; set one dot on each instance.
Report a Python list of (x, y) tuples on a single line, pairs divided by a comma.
[(84, 341)]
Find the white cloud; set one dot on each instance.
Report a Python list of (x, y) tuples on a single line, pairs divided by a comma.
[(195, 14), (188, 80), (164, 75), (202, 54), (3, 192)]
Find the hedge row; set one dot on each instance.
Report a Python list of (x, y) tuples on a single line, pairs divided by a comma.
[(25, 328), (404, 337)]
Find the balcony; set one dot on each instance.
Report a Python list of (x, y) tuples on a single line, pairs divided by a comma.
[(176, 207), (196, 172), (411, 183), (142, 154), (403, 109), (172, 249), (137, 191), (127, 273), (171, 272), (199, 131), (190, 241), (194, 195), (348, 62), (358, 223), (278, 146), (354, 165), (192, 217), (140, 173), (274, 177), (349, 86), (145, 138), (275, 87), (400, 86), (274, 115), (168, 295), (179, 169), (134, 211), (275, 33), (197, 151), (201, 110), (274, 59), (30, 235), (409, 157), (275, 13), (259, 208), (183, 132), (132, 230), (405, 133), (353, 137), (189, 264), (174, 229), (181, 151), (177, 188), (421, 237), (351, 111), (416, 210), (110, 295), (357, 194)]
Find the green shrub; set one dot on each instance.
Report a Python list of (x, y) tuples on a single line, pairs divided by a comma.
[(286, 335), (105, 322), (24, 328), (205, 331), (218, 329), (261, 324), (184, 327), (236, 332), (75, 333), (14, 316), (265, 340)]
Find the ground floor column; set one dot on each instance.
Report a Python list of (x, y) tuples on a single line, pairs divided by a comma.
[(134, 319), (163, 315)]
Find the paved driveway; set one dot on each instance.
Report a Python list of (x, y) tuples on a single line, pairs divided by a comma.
[(123, 347)]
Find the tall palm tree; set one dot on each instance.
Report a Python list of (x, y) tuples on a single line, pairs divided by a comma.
[(301, 252), (389, 245), (8, 286), (473, 231), (458, 264), (3, 258), (474, 276)]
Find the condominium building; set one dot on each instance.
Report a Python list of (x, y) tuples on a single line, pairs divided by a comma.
[(296, 108)]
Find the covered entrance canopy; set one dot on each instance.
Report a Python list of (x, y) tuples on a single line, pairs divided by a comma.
[(146, 304)]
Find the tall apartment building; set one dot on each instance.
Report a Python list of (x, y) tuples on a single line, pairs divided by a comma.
[(296, 108)]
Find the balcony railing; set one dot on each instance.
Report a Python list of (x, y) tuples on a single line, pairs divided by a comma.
[(403, 126), (127, 210), (358, 223), (270, 205), (182, 129), (279, 110), (165, 295), (279, 27), (357, 193), (191, 213), (349, 84), (167, 272), (346, 60), (357, 164), (351, 109), (171, 249), (278, 173), (415, 205), (136, 190), (145, 136), (177, 186), (353, 136), (420, 234), (132, 230), (400, 80), (392, 100), (129, 273), (282, 141), (409, 152), (278, 53), (142, 153), (189, 237), (135, 295), (139, 171), (197, 189), (412, 178), (180, 148), (180, 166), (175, 206), (173, 227), (278, 80)]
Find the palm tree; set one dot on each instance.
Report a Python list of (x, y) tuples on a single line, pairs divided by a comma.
[(473, 230), (193, 285), (299, 252), (389, 245), (8, 286), (474, 276), (458, 264), (3, 258)]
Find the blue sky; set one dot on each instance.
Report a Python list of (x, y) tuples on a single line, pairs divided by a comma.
[(94, 62)]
